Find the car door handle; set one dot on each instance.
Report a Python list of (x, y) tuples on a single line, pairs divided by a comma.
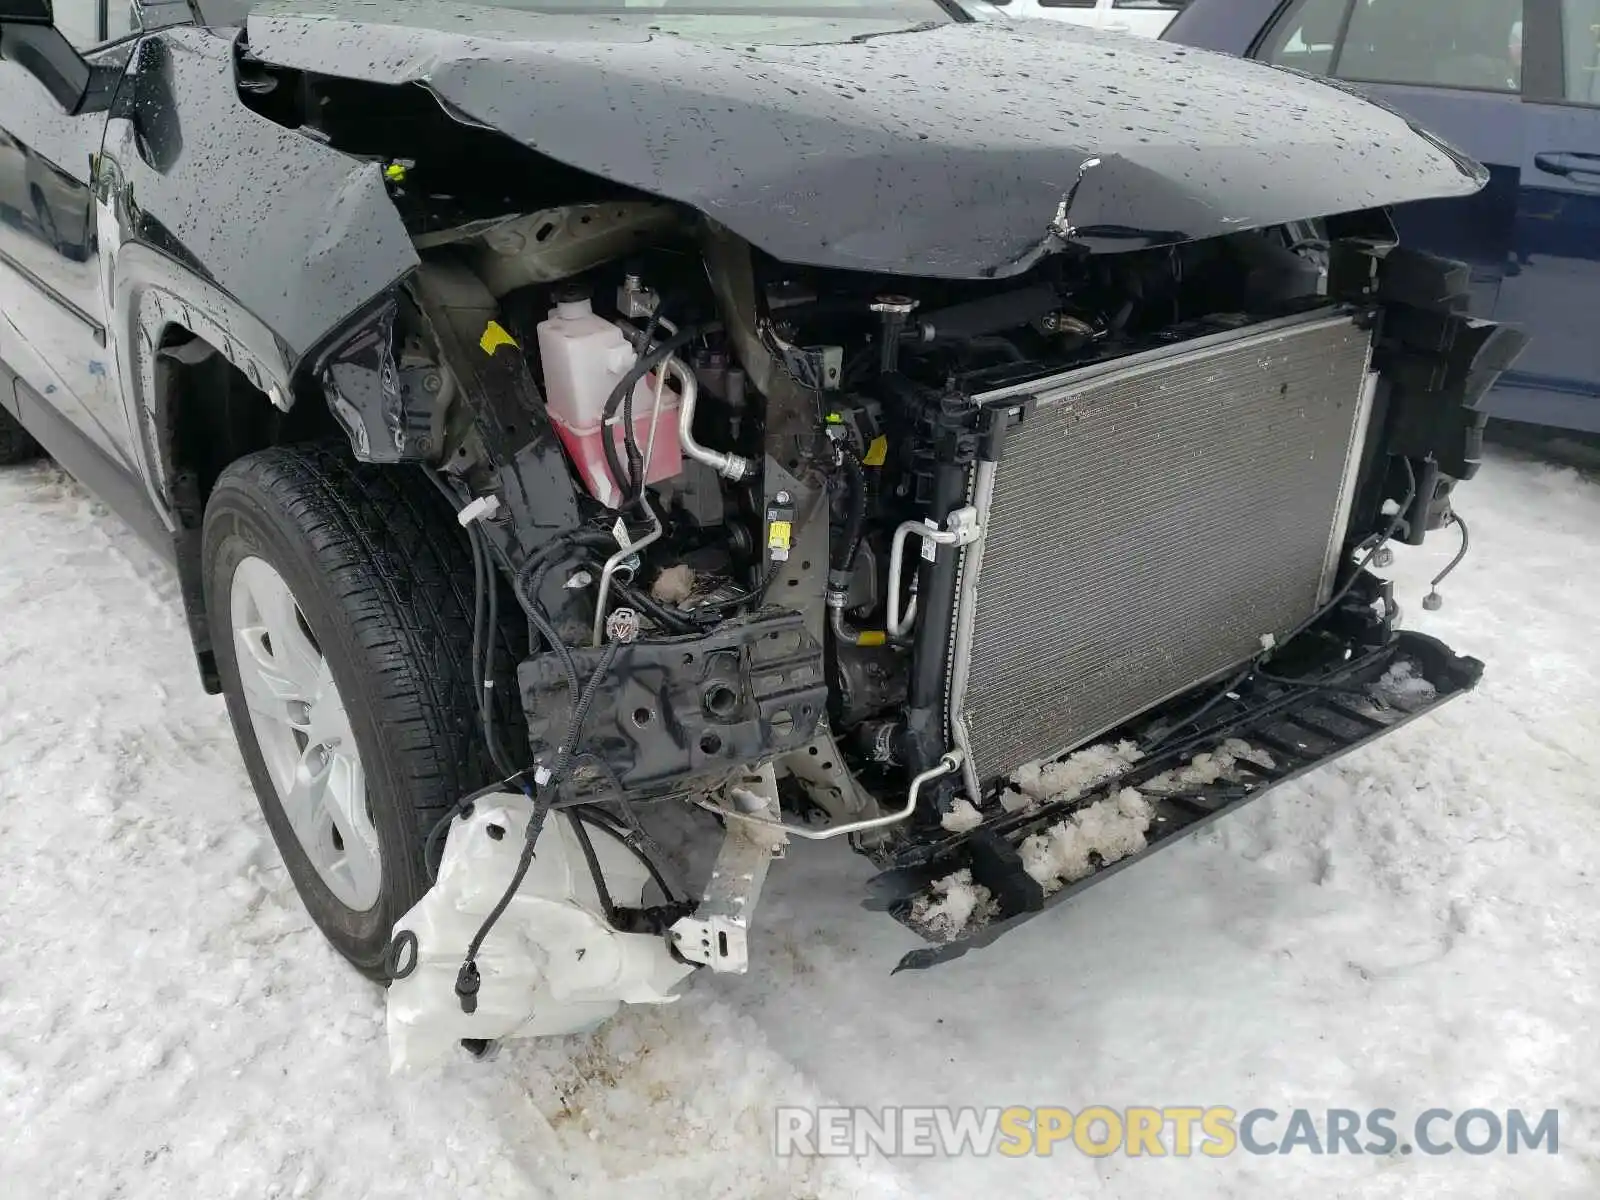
[(1567, 162)]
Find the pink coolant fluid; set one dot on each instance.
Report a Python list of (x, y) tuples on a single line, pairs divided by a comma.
[(584, 357)]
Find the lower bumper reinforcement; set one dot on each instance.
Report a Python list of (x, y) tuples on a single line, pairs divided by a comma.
[(1291, 726)]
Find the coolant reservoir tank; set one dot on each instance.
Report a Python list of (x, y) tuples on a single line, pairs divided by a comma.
[(585, 356)]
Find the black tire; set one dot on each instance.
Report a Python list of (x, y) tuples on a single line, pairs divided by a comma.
[(16, 443), (382, 575)]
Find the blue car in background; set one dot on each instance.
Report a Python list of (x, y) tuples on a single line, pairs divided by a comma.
[(1514, 83)]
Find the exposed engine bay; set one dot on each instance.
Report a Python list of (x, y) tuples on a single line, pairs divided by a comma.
[(840, 555)]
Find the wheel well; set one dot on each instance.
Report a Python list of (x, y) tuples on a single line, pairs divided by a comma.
[(205, 415)]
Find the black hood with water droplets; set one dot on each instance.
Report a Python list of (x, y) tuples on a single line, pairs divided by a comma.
[(943, 150)]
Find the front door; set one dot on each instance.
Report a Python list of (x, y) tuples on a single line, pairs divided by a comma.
[(54, 334), (1552, 284), (1453, 67)]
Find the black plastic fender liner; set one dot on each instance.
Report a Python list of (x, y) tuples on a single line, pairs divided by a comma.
[(1302, 726)]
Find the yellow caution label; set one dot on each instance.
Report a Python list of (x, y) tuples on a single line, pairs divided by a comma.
[(494, 337), (779, 535), (872, 637), (877, 453)]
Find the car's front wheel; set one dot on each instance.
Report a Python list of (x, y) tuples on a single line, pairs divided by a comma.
[(340, 597)]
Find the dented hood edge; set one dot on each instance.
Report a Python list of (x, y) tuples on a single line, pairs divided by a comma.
[(948, 150)]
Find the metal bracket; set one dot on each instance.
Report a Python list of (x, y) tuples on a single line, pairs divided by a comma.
[(718, 933)]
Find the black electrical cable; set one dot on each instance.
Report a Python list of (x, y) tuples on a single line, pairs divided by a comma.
[(603, 820), (497, 753), (634, 488), (677, 622), (629, 441), (529, 582), (855, 519), (1333, 601), (1466, 543), (485, 618), (1314, 684), (592, 860), (1237, 681), (468, 979), (479, 611)]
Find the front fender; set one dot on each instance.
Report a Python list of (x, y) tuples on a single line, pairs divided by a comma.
[(294, 233)]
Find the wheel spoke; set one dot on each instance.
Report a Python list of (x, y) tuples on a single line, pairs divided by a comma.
[(276, 639), (267, 690), (346, 805), (305, 800)]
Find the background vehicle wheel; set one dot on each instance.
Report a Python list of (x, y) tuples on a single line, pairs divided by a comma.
[(340, 598), (16, 443)]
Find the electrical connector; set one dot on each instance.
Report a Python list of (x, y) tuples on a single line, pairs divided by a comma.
[(484, 507)]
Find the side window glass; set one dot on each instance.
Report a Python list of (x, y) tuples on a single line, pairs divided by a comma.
[(1304, 37), (122, 19), (1473, 44), (79, 22), (1580, 38)]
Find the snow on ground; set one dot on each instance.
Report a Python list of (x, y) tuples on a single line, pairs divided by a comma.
[(1413, 926)]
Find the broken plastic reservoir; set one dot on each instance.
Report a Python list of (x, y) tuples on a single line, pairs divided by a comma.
[(585, 357), (551, 964)]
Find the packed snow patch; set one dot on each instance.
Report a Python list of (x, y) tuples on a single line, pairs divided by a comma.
[(950, 904), (1108, 829), (1207, 768), (1402, 687), (961, 817), (1076, 774)]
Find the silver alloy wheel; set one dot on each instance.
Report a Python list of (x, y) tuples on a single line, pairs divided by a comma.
[(304, 733)]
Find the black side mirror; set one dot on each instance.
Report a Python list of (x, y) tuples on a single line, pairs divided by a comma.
[(29, 38), (27, 12)]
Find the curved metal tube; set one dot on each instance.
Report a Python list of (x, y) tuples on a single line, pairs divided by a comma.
[(608, 571), (729, 466), (897, 624), (949, 762)]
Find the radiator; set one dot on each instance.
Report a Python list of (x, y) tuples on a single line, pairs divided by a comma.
[(1149, 521)]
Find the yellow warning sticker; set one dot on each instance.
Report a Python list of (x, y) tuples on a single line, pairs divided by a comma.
[(494, 337), (877, 453), (779, 534)]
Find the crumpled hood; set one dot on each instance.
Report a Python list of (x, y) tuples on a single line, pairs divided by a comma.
[(944, 150)]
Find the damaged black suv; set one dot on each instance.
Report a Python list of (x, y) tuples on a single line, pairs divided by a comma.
[(838, 420)]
